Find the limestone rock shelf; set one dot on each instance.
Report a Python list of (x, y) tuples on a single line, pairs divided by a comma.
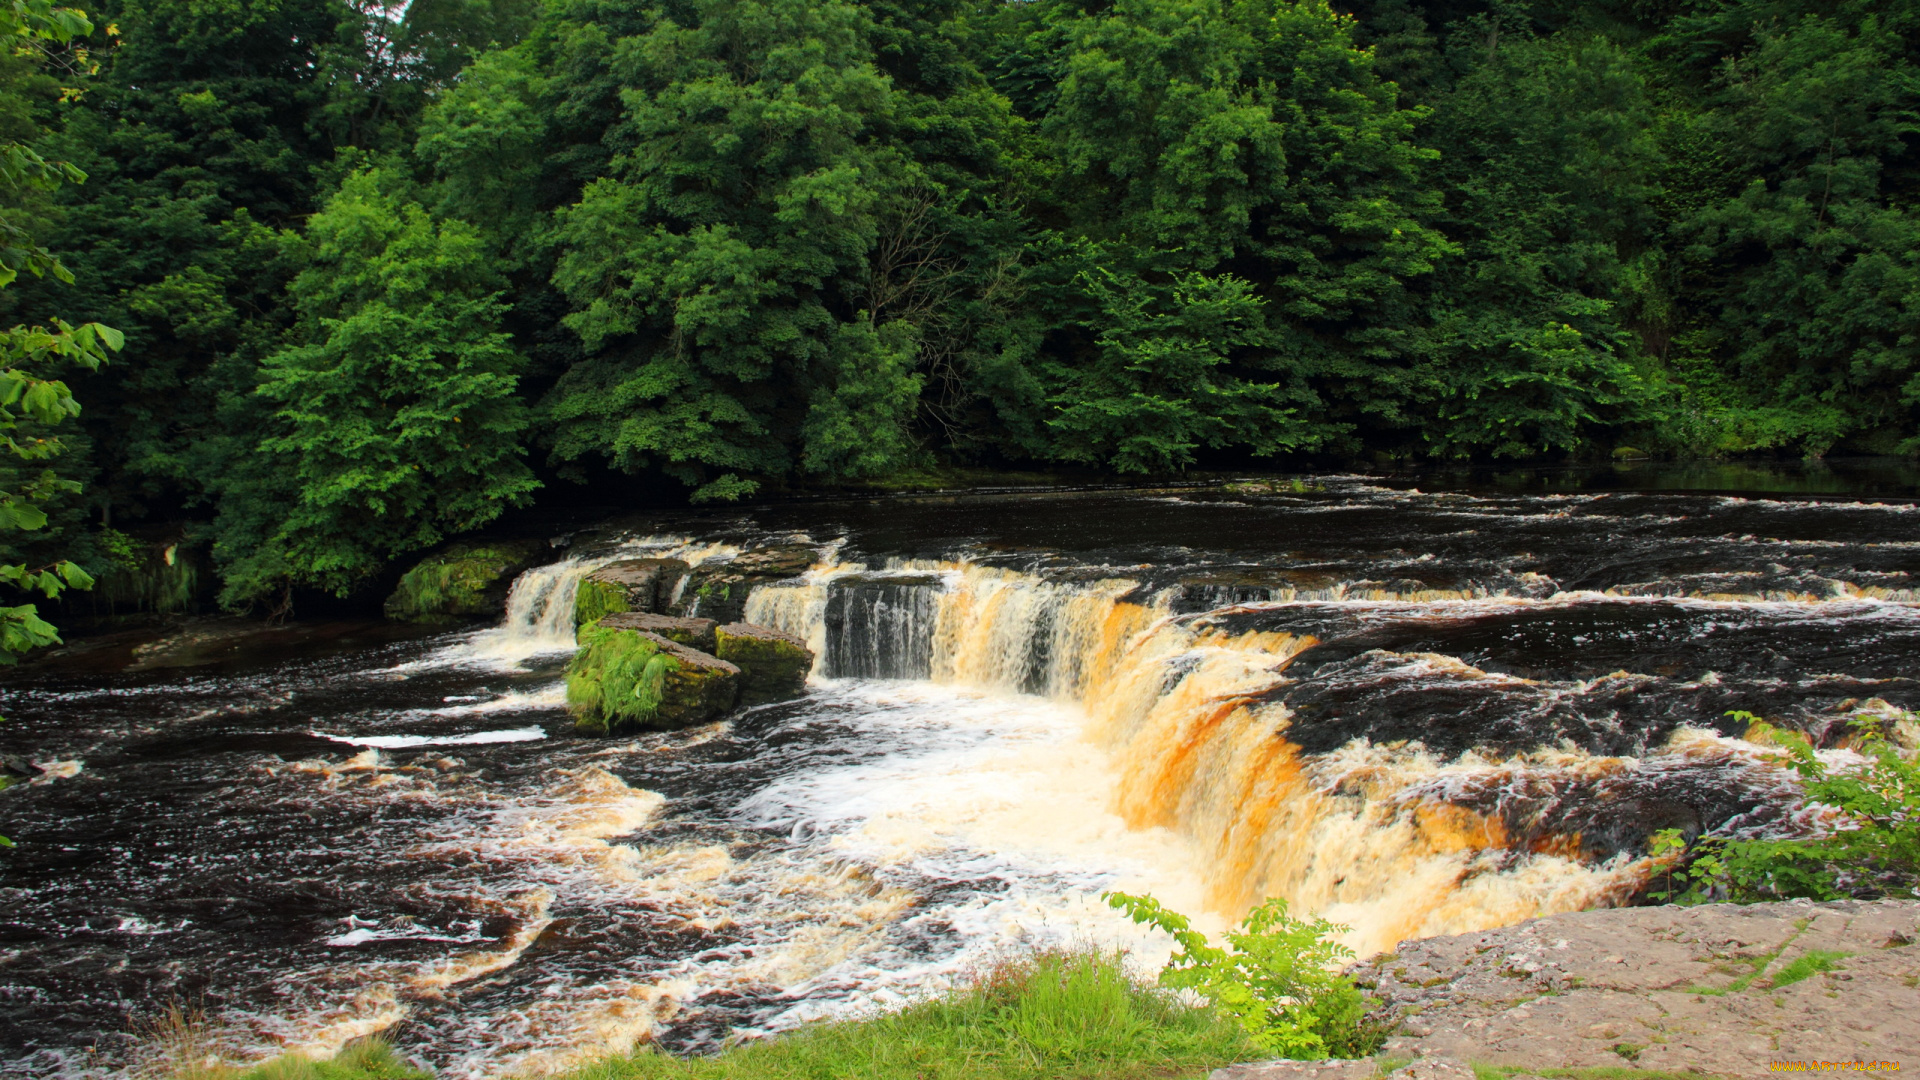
[(1721, 990)]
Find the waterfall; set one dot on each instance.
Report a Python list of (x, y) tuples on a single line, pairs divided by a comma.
[(1184, 708), (539, 614)]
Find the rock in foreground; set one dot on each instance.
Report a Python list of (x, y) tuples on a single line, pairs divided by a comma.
[(636, 671), (628, 680), (1721, 989)]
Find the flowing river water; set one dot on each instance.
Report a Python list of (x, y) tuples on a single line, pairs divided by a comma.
[(1416, 713)]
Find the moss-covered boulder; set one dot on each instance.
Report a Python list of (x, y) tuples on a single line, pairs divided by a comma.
[(628, 680), (773, 665), (720, 592), (627, 585), (693, 633), (466, 580)]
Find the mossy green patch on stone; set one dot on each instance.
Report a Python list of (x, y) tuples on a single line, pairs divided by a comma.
[(773, 665), (628, 585), (595, 600), (630, 679), (464, 581)]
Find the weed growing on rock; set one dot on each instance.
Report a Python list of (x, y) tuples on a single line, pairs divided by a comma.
[(1870, 849), (1277, 978)]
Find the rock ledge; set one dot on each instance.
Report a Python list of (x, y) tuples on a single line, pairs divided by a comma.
[(1720, 989)]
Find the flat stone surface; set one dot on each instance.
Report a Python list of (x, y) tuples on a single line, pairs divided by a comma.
[(695, 632), (1364, 1069), (1679, 988)]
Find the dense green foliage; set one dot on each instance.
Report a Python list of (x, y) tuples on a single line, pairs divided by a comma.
[(1278, 978), (1869, 848), (34, 405), (385, 278)]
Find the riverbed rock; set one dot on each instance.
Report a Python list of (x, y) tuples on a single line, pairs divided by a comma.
[(774, 665), (1722, 989), (624, 680), (645, 585), (720, 591), (466, 580), (693, 633)]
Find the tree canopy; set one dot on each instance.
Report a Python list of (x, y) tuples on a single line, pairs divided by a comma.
[(386, 274)]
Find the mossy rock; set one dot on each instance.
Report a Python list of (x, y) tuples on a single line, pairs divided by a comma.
[(627, 585), (693, 633), (466, 580), (628, 680), (720, 592), (773, 665)]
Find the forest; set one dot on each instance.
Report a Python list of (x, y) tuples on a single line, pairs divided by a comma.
[(313, 285)]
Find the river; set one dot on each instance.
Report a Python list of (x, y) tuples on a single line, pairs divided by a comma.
[(1415, 707)]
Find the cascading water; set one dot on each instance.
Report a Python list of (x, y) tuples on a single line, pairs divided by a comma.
[(1415, 714)]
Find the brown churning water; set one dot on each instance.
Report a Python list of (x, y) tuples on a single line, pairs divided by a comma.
[(1415, 713)]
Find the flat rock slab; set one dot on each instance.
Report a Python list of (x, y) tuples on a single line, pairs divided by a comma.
[(1707, 988), (697, 633), (1363, 1069), (628, 585)]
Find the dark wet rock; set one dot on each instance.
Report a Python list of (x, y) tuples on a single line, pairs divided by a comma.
[(777, 561), (720, 592), (645, 585), (693, 633), (465, 581), (14, 766), (880, 626), (626, 680), (1703, 989), (773, 665)]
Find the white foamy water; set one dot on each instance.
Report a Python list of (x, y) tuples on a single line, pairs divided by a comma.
[(472, 738)]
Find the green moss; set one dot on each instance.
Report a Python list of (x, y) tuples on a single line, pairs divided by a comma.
[(774, 666), (1813, 962), (616, 680), (464, 581), (595, 600), (627, 679)]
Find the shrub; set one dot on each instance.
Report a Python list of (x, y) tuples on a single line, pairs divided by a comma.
[(1277, 978), (1871, 848)]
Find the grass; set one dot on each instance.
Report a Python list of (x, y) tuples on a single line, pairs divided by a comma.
[(1076, 1015), (183, 1049), (1051, 1016), (1758, 965), (1064, 1015), (1811, 963)]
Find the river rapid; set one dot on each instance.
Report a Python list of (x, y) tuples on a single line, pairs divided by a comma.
[(1415, 711)]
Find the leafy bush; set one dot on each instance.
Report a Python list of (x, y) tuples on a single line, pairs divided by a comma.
[(1870, 850), (1277, 978)]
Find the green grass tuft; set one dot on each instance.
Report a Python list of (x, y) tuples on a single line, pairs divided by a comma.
[(1811, 963), (1061, 1016)]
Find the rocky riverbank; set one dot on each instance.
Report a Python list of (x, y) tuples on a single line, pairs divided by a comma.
[(1722, 989)]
